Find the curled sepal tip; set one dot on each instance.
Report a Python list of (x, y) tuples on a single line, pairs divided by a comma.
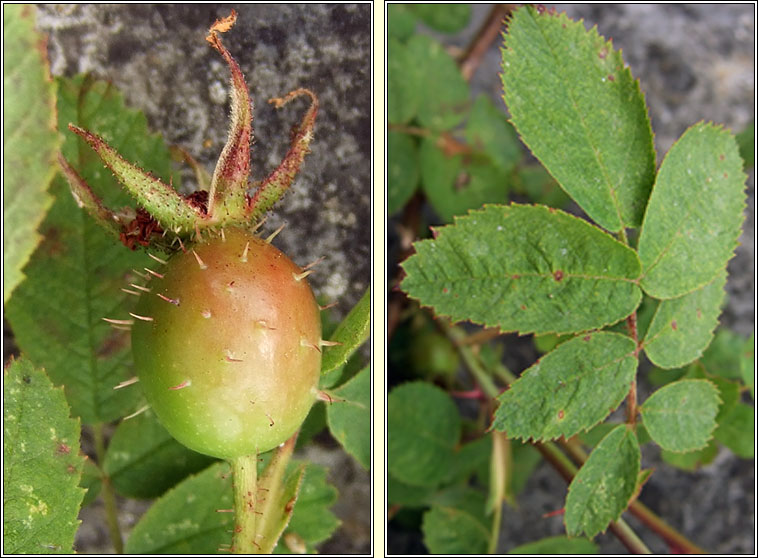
[(227, 199), (280, 179), (168, 208)]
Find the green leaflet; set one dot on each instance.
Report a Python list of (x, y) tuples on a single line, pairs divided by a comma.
[(143, 460), (447, 18), (41, 464), (403, 83), (527, 269), (557, 545), (601, 489), (453, 187), (586, 121), (30, 140), (349, 419), (737, 431), (352, 332), (488, 129), (443, 94), (402, 170), (694, 215), (453, 531), (683, 327), (570, 389), (184, 519), (424, 428), (681, 416)]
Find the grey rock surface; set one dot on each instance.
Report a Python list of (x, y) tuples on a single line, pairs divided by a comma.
[(158, 57), (694, 62)]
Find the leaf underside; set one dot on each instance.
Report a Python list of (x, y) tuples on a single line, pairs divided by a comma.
[(528, 269), (586, 122), (570, 389)]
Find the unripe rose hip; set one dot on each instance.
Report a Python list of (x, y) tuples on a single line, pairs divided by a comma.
[(227, 345)]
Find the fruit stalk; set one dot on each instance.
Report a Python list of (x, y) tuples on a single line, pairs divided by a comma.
[(262, 506), (245, 474)]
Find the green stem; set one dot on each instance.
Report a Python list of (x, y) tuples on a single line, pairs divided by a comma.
[(457, 335), (260, 515), (628, 537), (245, 474), (499, 469), (109, 496)]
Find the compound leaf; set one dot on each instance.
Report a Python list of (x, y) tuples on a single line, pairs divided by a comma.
[(523, 268), (683, 327), (75, 276), (570, 389), (41, 466), (681, 416), (424, 428), (695, 212), (30, 140), (602, 488), (453, 531), (586, 122)]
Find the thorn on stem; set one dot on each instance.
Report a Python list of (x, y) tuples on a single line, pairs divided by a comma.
[(243, 258), (127, 291), (154, 273), (332, 305)]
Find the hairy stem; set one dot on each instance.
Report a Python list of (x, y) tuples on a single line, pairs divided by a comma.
[(109, 496), (245, 474)]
